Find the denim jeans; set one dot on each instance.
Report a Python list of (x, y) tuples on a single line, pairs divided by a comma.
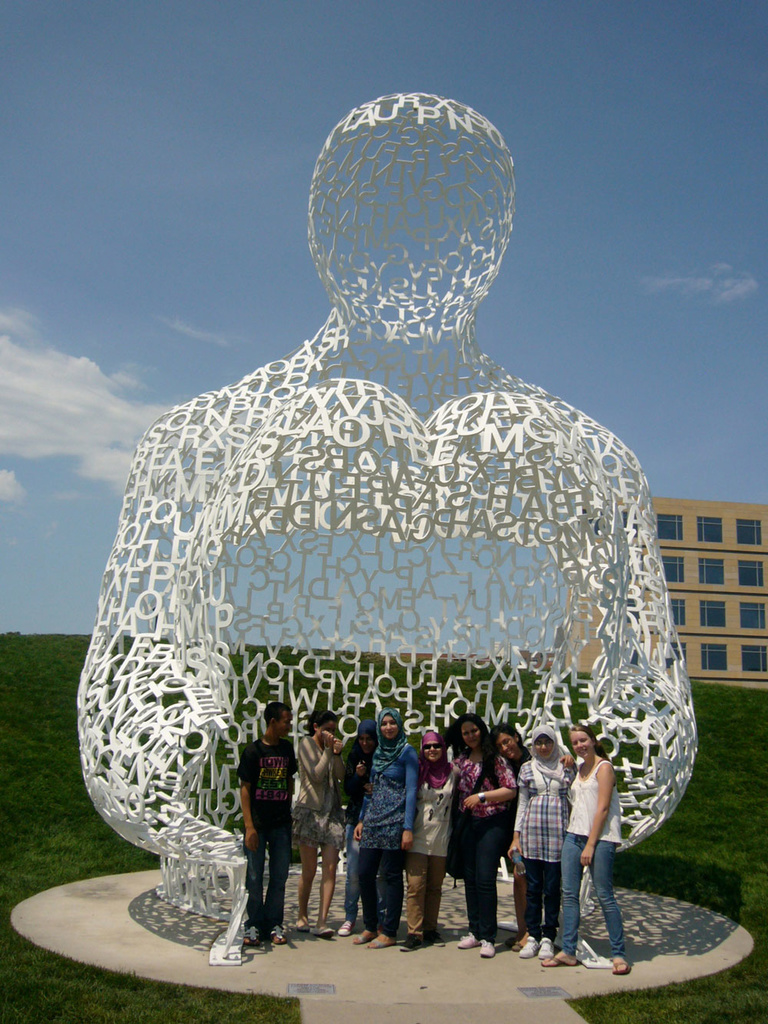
[(601, 870), (483, 843), (260, 913), (352, 887), (391, 863), (543, 888)]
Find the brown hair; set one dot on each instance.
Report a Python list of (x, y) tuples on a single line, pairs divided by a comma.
[(599, 748)]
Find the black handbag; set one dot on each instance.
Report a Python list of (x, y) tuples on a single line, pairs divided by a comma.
[(454, 858)]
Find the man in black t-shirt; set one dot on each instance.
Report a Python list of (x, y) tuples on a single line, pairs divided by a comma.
[(266, 771)]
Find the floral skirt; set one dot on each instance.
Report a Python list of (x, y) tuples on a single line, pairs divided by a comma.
[(318, 828)]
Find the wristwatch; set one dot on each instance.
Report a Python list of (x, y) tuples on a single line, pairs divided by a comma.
[(481, 797)]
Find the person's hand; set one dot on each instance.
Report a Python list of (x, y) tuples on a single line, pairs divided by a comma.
[(567, 761), (368, 788), (361, 769), (338, 745), (514, 848), (407, 841), (587, 854), (252, 839), (358, 833), (473, 800)]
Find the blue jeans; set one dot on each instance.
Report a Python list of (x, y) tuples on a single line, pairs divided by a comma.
[(391, 863), (260, 913), (482, 845), (543, 888), (352, 887), (601, 870)]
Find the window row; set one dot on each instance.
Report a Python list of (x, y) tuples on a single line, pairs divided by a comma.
[(709, 529), (751, 613), (712, 613), (714, 657), (712, 571)]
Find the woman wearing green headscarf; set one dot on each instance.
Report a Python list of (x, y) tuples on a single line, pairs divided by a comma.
[(385, 829)]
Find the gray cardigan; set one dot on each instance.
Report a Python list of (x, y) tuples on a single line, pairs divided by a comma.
[(317, 770)]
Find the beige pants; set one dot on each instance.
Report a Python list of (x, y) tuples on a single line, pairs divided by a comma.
[(425, 876)]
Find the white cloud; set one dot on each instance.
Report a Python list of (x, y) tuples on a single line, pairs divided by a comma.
[(10, 488), (720, 284), (194, 333), (54, 404)]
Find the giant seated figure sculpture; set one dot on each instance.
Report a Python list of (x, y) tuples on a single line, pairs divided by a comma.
[(382, 515)]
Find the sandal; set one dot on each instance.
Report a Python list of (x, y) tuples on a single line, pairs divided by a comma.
[(323, 932), (364, 938), (382, 942), (560, 960), (278, 936), (621, 967), (251, 938)]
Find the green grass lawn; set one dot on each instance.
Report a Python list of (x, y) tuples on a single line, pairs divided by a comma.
[(712, 853)]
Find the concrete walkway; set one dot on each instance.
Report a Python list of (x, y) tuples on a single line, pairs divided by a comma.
[(117, 922)]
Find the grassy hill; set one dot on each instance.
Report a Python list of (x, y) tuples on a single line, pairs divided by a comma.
[(712, 853)]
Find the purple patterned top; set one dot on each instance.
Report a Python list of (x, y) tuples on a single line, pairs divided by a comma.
[(469, 773)]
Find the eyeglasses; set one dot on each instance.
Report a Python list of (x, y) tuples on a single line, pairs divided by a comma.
[(543, 741), (431, 746)]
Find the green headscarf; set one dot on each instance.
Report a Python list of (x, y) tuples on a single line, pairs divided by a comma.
[(388, 751)]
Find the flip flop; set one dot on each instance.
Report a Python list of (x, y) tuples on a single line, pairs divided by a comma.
[(559, 961), (363, 939), (302, 928), (323, 933), (621, 967), (382, 944)]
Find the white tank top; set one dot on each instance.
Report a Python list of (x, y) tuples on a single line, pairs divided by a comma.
[(585, 808)]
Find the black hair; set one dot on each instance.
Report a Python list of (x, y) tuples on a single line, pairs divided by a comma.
[(455, 741), (599, 748), (506, 729), (319, 719), (273, 712)]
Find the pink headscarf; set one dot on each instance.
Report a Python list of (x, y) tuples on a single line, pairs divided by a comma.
[(434, 773)]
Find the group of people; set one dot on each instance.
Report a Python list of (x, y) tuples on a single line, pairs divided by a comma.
[(422, 814)]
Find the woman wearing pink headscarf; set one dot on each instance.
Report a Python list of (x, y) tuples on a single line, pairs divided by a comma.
[(425, 861)]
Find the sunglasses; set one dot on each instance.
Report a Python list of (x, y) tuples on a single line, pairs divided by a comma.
[(431, 746)]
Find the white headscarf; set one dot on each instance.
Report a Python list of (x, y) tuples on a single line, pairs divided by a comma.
[(550, 767)]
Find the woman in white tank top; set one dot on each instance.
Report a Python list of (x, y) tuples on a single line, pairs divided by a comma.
[(593, 836)]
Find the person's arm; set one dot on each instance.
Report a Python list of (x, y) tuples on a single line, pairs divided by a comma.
[(354, 781), (251, 835), (314, 767), (523, 796), (606, 779), (411, 791)]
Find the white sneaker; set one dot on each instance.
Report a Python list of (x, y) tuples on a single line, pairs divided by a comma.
[(346, 929), (487, 949), (469, 942), (546, 949), (530, 949)]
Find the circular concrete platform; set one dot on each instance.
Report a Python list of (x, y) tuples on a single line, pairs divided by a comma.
[(117, 922)]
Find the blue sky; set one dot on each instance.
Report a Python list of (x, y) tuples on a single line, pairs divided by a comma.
[(155, 161)]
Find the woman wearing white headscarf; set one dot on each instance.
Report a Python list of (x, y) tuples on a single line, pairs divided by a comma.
[(540, 826)]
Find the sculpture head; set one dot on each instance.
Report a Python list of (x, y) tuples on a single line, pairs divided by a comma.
[(410, 212)]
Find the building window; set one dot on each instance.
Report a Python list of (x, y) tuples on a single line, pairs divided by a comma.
[(669, 527), (750, 574), (678, 610), (712, 613), (749, 531), (754, 658), (714, 657), (673, 568), (709, 529), (752, 615), (711, 571)]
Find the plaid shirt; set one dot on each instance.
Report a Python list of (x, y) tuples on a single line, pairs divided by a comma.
[(542, 818)]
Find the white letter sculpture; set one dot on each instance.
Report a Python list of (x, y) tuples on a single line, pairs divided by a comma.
[(383, 516)]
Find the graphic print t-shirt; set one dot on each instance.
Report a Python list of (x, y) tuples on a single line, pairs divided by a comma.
[(269, 771)]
